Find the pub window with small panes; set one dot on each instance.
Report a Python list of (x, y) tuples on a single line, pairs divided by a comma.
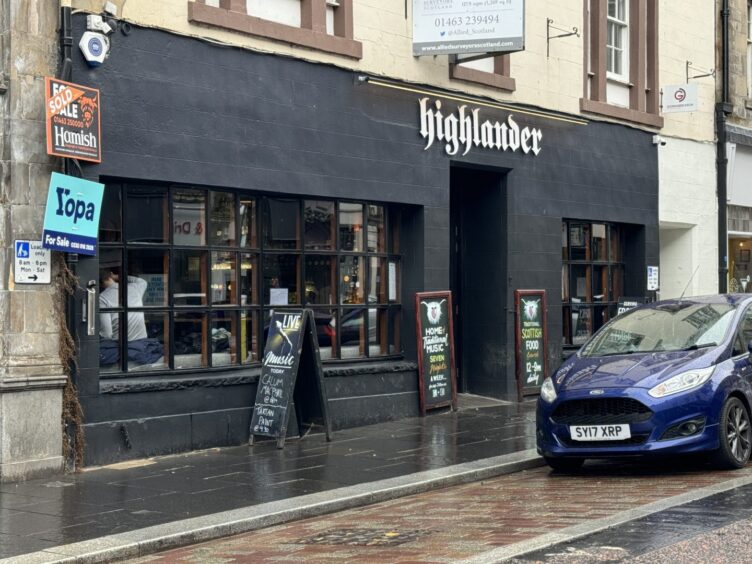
[(189, 276), (592, 277)]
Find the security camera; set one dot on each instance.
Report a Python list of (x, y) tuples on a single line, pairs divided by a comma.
[(658, 140), (94, 47)]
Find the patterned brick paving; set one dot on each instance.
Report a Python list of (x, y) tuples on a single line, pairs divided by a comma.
[(458, 522)]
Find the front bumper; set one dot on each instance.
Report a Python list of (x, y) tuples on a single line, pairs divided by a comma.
[(554, 440)]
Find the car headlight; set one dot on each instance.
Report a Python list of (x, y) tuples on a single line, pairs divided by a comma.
[(682, 382), (548, 392)]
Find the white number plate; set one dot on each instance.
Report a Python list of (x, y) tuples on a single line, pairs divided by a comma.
[(599, 432)]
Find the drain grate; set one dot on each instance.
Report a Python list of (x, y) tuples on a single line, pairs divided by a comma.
[(364, 537)]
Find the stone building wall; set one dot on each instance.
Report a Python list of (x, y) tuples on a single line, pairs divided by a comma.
[(31, 377)]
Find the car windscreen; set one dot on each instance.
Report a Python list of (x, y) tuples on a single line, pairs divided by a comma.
[(663, 327)]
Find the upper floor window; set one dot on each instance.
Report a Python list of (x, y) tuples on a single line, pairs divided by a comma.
[(621, 58), (324, 25), (491, 71), (617, 45)]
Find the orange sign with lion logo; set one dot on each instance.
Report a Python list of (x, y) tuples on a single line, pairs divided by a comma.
[(72, 118)]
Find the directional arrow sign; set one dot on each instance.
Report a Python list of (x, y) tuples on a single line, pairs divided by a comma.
[(33, 263)]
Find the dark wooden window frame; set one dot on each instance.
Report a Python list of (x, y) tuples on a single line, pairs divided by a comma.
[(232, 15), (259, 251), (610, 263), (643, 63), (500, 78)]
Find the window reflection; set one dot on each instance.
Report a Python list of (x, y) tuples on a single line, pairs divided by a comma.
[(224, 338), (221, 218), (248, 222), (281, 276), (248, 273), (223, 279), (248, 336), (189, 285), (319, 225), (146, 214), (190, 336), (326, 332), (351, 270), (151, 353), (110, 216), (352, 333), (188, 217), (351, 227), (321, 273), (281, 223), (153, 267), (377, 280), (376, 229)]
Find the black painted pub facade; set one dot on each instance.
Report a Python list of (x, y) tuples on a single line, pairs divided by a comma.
[(239, 182)]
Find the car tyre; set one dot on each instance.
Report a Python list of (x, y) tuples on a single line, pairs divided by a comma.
[(564, 464), (735, 434)]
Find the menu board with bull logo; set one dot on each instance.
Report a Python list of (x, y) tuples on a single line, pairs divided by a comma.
[(291, 348), (438, 382), (531, 340)]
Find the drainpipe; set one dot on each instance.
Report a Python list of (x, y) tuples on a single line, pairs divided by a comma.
[(723, 109), (66, 40)]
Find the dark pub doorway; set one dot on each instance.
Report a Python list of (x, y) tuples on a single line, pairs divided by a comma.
[(478, 267)]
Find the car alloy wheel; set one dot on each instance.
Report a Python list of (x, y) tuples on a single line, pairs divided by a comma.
[(736, 434)]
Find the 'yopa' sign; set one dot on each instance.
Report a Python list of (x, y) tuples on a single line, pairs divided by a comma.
[(71, 220), (465, 129)]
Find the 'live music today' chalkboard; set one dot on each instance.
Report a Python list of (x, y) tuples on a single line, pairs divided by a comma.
[(438, 387), (288, 332), (530, 339)]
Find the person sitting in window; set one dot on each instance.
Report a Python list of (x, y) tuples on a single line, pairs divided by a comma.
[(141, 349)]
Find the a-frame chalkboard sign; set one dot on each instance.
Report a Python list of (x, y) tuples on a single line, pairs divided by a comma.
[(436, 369), (291, 365)]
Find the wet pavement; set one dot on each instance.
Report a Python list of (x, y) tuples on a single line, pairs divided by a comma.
[(490, 520), (687, 533), (44, 514)]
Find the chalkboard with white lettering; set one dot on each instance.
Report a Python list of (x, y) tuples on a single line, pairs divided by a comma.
[(434, 323), (531, 340), (287, 333)]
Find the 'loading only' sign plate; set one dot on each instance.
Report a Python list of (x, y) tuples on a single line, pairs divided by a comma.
[(32, 263)]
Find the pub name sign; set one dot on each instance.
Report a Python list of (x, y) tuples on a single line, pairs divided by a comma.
[(465, 129)]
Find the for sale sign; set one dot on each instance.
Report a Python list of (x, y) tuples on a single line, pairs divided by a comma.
[(71, 220), (72, 118)]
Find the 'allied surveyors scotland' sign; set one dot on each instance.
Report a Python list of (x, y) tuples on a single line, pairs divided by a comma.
[(445, 27)]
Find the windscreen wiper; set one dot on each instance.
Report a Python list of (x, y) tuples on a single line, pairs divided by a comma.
[(696, 346)]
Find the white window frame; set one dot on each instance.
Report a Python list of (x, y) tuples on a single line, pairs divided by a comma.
[(620, 26)]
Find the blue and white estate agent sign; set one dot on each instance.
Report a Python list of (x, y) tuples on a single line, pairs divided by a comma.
[(71, 221)]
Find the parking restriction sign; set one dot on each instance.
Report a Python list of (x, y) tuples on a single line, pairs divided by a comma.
[(33, 263)]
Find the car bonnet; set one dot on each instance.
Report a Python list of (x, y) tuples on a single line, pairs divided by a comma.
[(622, 371)]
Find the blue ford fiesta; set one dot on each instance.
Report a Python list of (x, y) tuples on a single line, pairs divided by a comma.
[(667, 378)]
